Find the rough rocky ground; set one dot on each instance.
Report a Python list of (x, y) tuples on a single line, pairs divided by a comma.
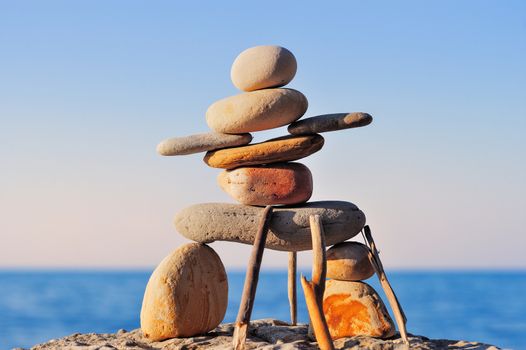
[(264, 334)]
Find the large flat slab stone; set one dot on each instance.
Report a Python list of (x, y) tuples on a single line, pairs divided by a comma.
[(289, 226)]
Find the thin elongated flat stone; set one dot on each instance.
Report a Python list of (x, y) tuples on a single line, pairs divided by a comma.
[(201, 143), (289, 227), (329, 122), (282, 149)]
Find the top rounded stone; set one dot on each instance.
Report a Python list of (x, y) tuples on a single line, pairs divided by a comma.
[(262, 67)]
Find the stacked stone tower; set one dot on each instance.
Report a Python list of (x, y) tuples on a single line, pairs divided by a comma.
[(187, 293)]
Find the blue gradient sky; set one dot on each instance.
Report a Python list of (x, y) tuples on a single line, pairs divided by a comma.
[(88, 89)]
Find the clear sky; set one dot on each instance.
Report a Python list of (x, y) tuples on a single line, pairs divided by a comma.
[(88, 89)]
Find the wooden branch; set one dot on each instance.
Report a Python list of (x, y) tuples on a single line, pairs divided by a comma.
[(292, 288), (251, 281), (240, 336), (319, 273), (319, 258), (321, 330), (374, 257)]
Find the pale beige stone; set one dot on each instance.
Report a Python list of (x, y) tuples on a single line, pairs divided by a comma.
[(263, 67), (289, 228), (354, 308), (256, 110), (282, 149), (279, 183), (201, 143), (349, 261), (186, 295)]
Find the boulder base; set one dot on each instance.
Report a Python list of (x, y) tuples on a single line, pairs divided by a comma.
[(262, 334)]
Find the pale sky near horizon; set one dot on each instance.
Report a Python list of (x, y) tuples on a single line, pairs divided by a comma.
[(88, 89)]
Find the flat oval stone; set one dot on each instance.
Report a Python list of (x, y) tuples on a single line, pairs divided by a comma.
[(256, 110), (329, 122), (281, 149), (289, 227), (279, 183), (349, 261), (354, 308), (262, 67), (200, 143), (186, 295)]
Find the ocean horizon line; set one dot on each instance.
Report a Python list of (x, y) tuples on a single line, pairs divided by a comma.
[(306, 269)]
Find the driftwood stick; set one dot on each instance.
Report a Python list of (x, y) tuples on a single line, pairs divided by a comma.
[(292, 288), (319, 269), (321, 330), (251, 281), (319, 258), (374, 257)]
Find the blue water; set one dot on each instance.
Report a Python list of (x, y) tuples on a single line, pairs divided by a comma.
[(36, 306)]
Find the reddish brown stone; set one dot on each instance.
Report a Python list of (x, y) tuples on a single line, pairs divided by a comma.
[(279, 183)]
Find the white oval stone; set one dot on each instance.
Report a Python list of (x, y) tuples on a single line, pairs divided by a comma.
[(256, 110), (186, 295), (262, 67)]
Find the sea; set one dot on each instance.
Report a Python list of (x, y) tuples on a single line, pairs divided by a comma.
[(36, 306)]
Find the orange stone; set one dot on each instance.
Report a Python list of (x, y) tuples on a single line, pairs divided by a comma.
[(279, 183), (281, 149), (354, 308)]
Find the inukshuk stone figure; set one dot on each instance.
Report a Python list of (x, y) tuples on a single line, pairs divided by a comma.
[(187, 293)]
